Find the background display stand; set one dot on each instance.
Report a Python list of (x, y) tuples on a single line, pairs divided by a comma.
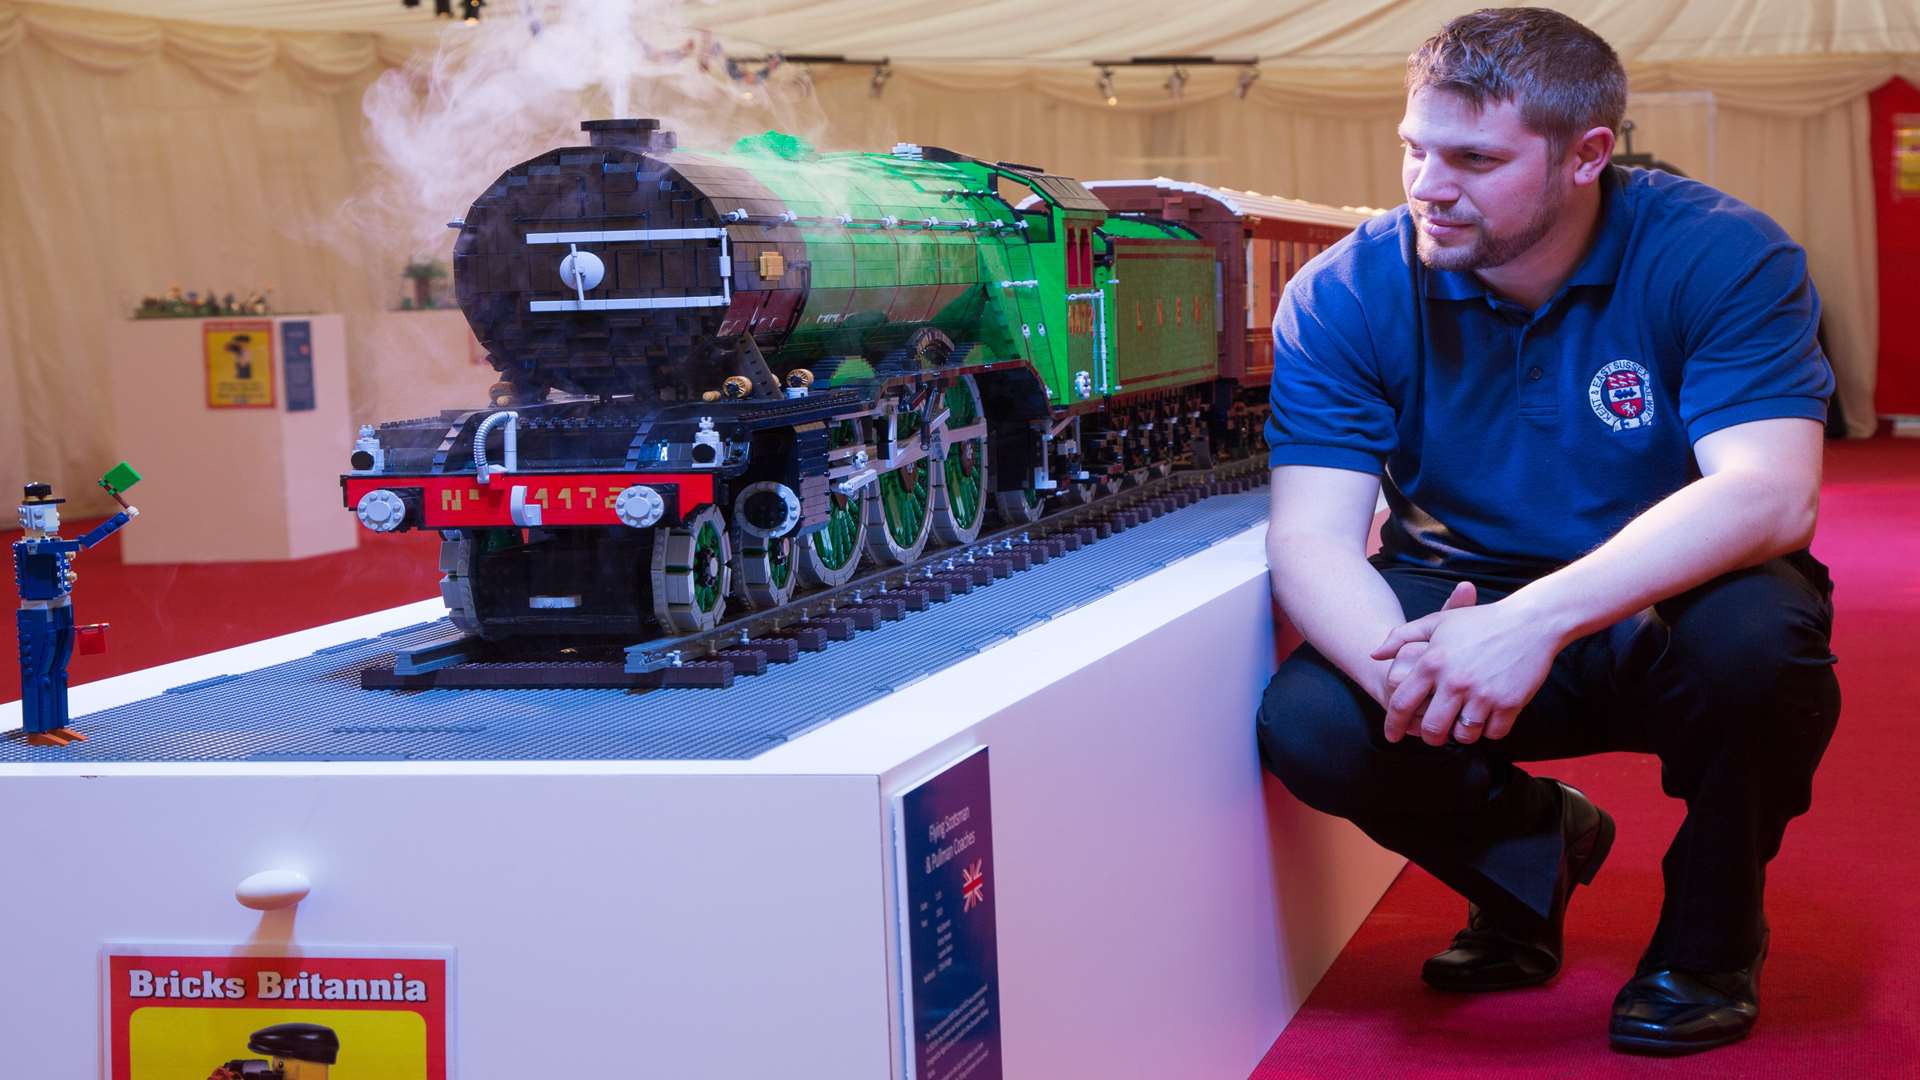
[(230, 484), (1162, 908)]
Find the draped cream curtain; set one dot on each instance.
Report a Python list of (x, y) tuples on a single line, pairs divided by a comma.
[(143, 152), (139, 154)]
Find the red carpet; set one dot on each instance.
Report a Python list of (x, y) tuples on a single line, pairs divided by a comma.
[(1839, 994)]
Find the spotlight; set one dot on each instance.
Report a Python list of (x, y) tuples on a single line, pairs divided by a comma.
[(882, 71), (1248, 76), (1105, 86), (470, 11), (1176, 82), (409, 3), (443, 8)]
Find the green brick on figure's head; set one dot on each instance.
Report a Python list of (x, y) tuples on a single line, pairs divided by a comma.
[(120, 478)]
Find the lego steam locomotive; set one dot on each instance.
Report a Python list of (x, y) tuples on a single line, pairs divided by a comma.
[(725, 375)]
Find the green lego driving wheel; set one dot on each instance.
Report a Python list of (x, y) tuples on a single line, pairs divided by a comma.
[(831, 555), (899, 512), (692, 573), (959, 484)]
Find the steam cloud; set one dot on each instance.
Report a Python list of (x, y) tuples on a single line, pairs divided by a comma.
[(519, 83)]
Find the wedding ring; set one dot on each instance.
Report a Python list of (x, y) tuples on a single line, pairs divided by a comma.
[(1468, 721)]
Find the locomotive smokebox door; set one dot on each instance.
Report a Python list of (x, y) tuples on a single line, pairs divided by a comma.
[(599, 270)]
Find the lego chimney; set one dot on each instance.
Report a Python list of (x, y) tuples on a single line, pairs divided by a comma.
[(641, 135)]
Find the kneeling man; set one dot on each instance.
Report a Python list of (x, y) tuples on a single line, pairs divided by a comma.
[(1594, 399)]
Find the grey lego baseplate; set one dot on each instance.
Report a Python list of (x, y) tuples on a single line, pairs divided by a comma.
[(313, 709)]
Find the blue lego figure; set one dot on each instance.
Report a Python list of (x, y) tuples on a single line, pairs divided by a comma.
[(43, 574)]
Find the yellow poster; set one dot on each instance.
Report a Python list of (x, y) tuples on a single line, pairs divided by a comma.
[(239, 356), (1906, 154)]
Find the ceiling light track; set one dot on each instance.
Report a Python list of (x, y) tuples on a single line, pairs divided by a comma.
[(1176, 83)]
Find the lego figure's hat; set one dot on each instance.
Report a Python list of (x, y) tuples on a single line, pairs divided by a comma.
[(40, 495), (301, 1042)]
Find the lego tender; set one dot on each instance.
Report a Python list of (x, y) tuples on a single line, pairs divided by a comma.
[(725, 375)]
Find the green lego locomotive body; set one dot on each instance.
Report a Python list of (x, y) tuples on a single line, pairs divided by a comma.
[(726, 374), (829, 260)]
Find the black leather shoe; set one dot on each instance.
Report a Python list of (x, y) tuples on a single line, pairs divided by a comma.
[(1668, 1011), (1490, 956)]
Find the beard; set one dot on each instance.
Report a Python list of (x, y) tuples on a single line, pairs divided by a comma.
[(1483, 250)]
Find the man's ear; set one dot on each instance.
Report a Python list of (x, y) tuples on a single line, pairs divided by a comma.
[(1592, 152)]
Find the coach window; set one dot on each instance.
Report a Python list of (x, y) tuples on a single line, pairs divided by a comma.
[(1251, 282), (1263, 283), (1079, 258)]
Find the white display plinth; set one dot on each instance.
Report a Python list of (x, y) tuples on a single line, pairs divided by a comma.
[(1162, 909), (229, 484)]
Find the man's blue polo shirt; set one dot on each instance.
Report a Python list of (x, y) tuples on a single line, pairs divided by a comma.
[(1513, 442)]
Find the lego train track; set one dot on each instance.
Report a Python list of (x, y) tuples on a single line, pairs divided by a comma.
[(749, 644)]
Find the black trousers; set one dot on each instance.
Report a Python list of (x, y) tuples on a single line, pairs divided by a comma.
[(1731, 684)]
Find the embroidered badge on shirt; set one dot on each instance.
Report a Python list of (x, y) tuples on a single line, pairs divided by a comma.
[(1621, 396)]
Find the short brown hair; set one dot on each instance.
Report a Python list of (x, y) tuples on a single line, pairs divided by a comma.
[(1565, 78)]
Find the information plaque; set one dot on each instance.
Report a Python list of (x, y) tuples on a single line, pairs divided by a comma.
[(296, 345), (950, 971)]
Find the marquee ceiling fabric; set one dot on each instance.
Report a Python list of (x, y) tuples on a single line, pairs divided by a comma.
[(1322, 32), (1783, 57)]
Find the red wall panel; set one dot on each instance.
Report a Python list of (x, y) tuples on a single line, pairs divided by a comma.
[(1896, 106)]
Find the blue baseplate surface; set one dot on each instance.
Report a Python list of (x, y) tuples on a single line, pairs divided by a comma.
[(313, 709)]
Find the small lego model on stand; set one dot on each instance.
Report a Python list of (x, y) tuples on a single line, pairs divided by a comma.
[(43, 574), (298, 1052), (177, 304), (424, 273)]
